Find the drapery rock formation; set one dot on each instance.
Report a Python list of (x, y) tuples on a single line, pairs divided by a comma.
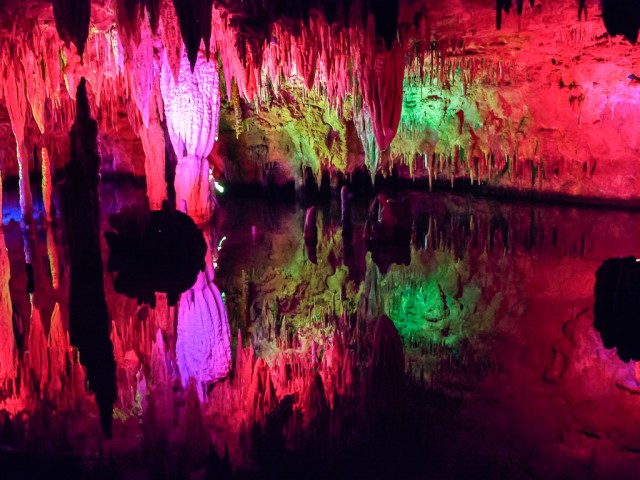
[(203, 344), (192, 105)]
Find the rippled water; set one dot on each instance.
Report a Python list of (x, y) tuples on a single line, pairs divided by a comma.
[(501, 372)]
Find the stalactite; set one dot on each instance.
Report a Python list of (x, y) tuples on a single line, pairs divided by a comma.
[(171, 38), (52, 254), (362, 120), (621, 18), (35, 84), (142, 75), (195, 26), (72, 21), (381, 78), (148, 98)]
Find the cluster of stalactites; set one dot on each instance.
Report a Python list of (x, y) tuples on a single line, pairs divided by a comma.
[(342, 63), (365, 57)]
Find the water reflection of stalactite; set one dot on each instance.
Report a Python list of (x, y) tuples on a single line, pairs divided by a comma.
[(203, 346), (444, 225), (52, 254), (311, 234), (88, 315), (8, 354)]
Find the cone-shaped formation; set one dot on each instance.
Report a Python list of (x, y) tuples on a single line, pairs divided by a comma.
[(72, 21), (192, 106), (88, 315), (195, 25), (617, 306)]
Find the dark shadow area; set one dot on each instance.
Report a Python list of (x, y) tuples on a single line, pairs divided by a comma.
[(617, 306), (388, 231), (20, 465), (88, 316), (154, 251)]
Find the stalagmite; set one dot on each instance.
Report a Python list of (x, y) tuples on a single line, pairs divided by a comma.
[(58, 344), (386, 377), (345, 208), (192, 106), (37, 360), (195, 26), (196, 439)]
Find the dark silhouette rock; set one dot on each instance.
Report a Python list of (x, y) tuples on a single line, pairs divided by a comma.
[(617, 306), (154, 251), (89, 325)]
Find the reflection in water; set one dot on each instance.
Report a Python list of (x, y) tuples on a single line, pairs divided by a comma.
[(203, 346), (311, 234), (8, 353), (483, 343), (154, 251), (617, 306), (88, 315)]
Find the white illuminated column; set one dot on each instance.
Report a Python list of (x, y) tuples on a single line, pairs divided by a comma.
[(192, 106)]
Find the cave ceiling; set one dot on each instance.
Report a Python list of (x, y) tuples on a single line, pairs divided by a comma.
[(545, 69)]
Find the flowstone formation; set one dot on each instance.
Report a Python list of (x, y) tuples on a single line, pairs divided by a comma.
[(192, 105)]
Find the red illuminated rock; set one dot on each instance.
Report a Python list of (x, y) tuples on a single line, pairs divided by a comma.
[(8, 354)]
